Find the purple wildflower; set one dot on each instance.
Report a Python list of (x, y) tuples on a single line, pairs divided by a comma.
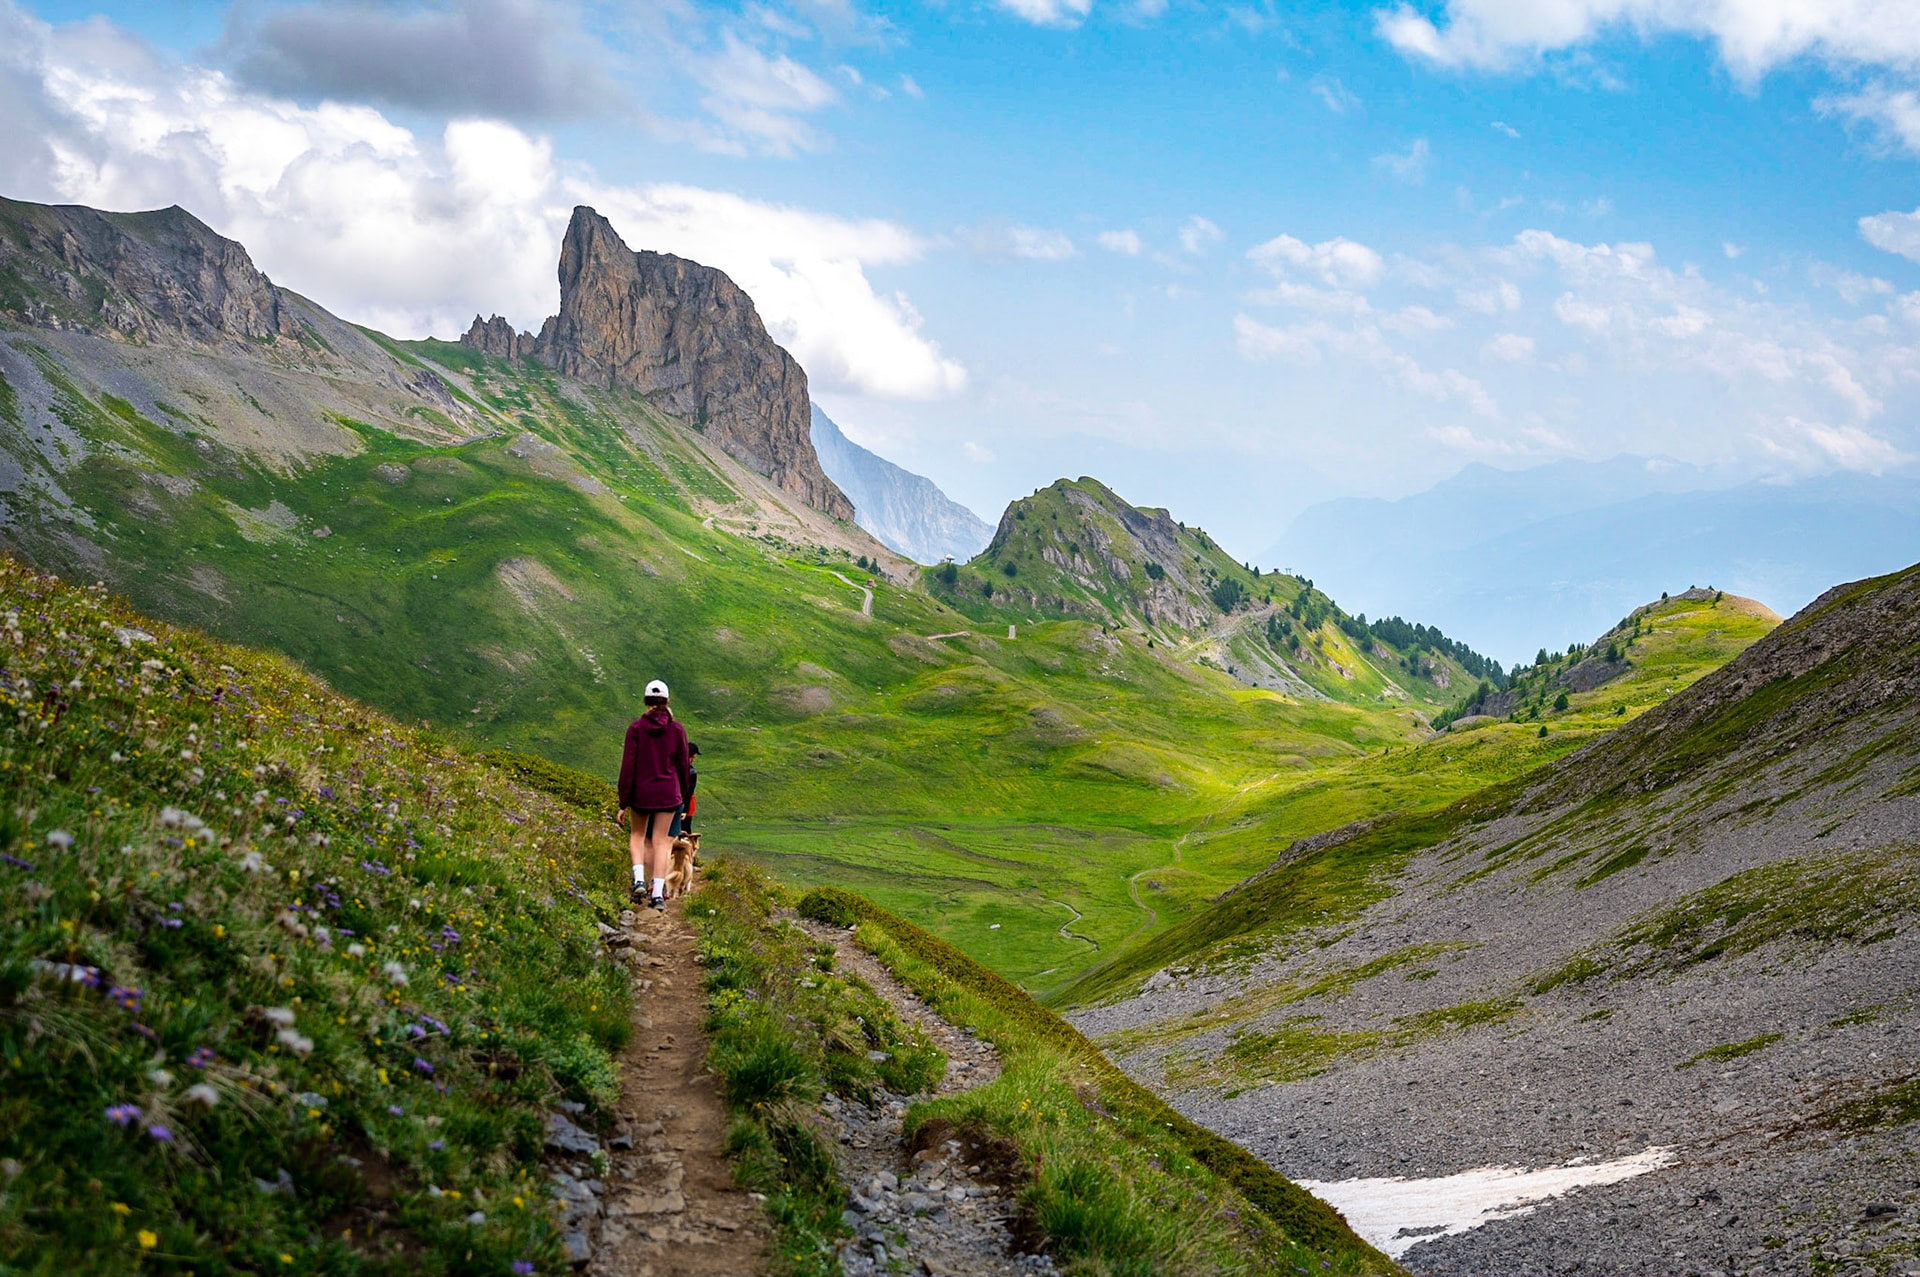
[(522, 1266), (16, 862), (396, 1110), (202, 1056), (422, 1065), (123, 1114), (436, 1145), (375, 867), (326, 791), (161, 1133)]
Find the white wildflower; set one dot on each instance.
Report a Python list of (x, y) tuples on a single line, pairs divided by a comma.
[(252, 863), (396, 973), (60, 840), (116, 757), (280, 1017), (322, 936), (201, 1093), (356, 950), (294, 1041)]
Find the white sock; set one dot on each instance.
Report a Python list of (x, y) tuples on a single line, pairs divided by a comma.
[(639, 874), (659, 886)]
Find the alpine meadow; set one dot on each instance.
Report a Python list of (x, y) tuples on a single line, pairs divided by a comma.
[(1065, 892)]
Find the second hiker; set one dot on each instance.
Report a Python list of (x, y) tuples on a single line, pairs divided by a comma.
[(655, 780)]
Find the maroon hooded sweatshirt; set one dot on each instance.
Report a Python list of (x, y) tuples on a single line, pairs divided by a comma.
[(653, 771)]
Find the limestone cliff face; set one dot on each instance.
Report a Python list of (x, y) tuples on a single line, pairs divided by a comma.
[(159, 277), (688, 339)]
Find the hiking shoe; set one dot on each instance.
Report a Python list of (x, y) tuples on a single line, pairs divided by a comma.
[(657, 902), (638, 894)]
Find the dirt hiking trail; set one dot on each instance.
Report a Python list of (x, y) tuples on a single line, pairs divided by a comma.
[(667, 1205)]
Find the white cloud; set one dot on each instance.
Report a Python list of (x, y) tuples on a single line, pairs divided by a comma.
[(1198, 235), (1049, 13), (1409, 320), (1893, 114), (1753, 36), (1731, 249), (1816, 446), (1335, 96), (997, 242), (1501, 126), (414, 233), (1894, 232), (759, 100), (1307, 343), (1409, 166), (976, 453), (1531, 442), (1491, 298), (911, 87), (1337, 262), (1127, 243), (1513, 348)]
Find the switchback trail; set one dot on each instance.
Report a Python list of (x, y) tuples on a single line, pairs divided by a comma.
[(667, 1206), (866, 602)]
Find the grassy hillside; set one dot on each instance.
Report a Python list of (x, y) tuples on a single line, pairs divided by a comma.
[(513, 578), (1103, 1159), (276, 973), (1673, 645)]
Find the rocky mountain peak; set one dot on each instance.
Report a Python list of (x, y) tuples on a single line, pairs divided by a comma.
[(155, 277), (689, 340)]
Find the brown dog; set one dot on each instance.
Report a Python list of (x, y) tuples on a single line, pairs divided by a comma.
[(680, 876)]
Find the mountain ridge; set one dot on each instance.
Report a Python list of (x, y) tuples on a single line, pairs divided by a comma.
[(906, 511)]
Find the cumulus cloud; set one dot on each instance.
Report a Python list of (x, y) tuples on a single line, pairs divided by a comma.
[(1049, 13), (508, 59), (1408, 166), (1198, 235), (414, 233), (1512, 348), (1893, 114), (1894, 232), (1752, 38), (1337, 262), (1127, 243)]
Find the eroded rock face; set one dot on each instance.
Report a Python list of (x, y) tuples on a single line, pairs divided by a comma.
[(162, 276), (686, 337)]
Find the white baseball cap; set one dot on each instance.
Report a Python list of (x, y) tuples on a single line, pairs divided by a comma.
[(657, 688)]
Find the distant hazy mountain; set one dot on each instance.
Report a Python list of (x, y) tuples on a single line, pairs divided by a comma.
[(906, 512), (1512, 561)]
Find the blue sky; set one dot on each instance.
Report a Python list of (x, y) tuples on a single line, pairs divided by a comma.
[(1232, 259)]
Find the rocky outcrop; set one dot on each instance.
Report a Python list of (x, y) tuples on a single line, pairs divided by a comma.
[(496, 337), (158, 277), (688, 339)]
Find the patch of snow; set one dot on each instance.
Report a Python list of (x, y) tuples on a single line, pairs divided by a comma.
[(1397, 1214)]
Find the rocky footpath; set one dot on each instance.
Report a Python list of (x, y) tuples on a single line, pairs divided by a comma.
[(653, 1197), (939, 1204)]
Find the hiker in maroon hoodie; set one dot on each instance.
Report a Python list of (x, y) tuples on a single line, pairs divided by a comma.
[(653, 784)]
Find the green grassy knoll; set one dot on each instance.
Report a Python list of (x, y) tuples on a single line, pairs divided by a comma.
[(1679, 641), (1116, 1181), (277, 975)]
